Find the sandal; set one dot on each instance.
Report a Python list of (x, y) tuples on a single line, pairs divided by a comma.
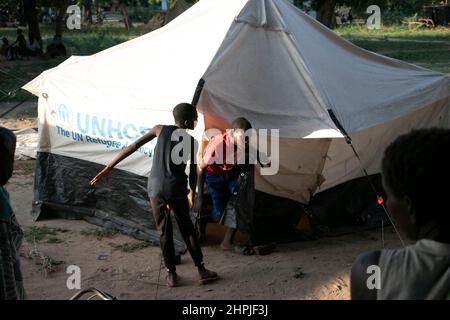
[(244, 250)]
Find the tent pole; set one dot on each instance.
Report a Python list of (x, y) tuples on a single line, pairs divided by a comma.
[(380, 200), (198, 91)]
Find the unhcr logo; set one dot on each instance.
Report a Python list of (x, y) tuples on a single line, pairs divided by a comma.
[(63, 116)]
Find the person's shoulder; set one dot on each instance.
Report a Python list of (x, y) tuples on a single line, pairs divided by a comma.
[(359, 273), (366, 259)]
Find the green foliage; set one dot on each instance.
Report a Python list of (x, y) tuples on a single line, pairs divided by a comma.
[(46, 263), (39, 233), (99, 233), (171, 2), (52, 239), (425, 47), (392, 10), (132, 246)]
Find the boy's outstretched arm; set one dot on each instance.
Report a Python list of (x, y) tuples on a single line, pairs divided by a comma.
[(153, 133)]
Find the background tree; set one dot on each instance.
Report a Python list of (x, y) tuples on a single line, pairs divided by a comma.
[(123, 6), (325, 11), (60, 21), (30, 13)]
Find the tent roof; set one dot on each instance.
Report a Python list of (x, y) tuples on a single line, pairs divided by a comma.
[(263, 59)]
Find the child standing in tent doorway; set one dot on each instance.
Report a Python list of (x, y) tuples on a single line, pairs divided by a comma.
[(412, 168), (225, 178), (231, 185), (167, 187)]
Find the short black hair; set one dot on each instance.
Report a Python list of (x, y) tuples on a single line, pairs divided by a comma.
[(183, 112), (7, 148), (19, 30), (241, 123), (414, 165)]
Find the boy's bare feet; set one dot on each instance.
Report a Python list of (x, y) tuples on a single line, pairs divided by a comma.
[(206, 276), (172, 279), (226, 246)]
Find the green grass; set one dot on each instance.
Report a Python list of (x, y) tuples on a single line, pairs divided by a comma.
[(46, 263), (132, 246), (52, 239), (39, 233), (395, 31), (99, 233), (429, 48)]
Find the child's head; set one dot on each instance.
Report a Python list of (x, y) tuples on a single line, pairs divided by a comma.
[(240, 126), (185, 115), (7, 149), (416, 171), (19, 31), (5, 41)]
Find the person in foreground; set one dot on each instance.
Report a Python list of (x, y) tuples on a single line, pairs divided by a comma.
[(167, 187), (413, 167), (11, 235)]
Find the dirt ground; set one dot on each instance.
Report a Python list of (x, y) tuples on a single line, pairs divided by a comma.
[(316, 269)]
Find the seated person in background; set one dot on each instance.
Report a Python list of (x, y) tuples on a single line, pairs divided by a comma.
[(7, 51), (56, 48), (5, 48), (20, 44), (412, 167), (11, 283), (34, 49)]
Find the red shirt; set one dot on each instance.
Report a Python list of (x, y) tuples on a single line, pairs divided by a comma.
[(219, 149)]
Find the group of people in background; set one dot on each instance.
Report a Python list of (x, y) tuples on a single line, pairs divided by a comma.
[(20, 48)]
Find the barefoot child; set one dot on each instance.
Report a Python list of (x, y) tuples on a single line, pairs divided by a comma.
[(220, 173), (167, 187)]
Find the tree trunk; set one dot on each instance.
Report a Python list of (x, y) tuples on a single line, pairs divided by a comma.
[(325, 12), (60, 18), (126, 16), (88, 8), (96, 7), (31, 17), (84, 15)]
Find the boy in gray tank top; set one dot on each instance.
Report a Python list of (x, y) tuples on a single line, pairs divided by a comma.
[(167, 187)]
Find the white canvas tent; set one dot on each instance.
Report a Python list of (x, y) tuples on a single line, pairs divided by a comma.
[(261, 59)]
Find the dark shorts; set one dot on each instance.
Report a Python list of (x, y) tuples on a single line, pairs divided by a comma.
[(221, 187)]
